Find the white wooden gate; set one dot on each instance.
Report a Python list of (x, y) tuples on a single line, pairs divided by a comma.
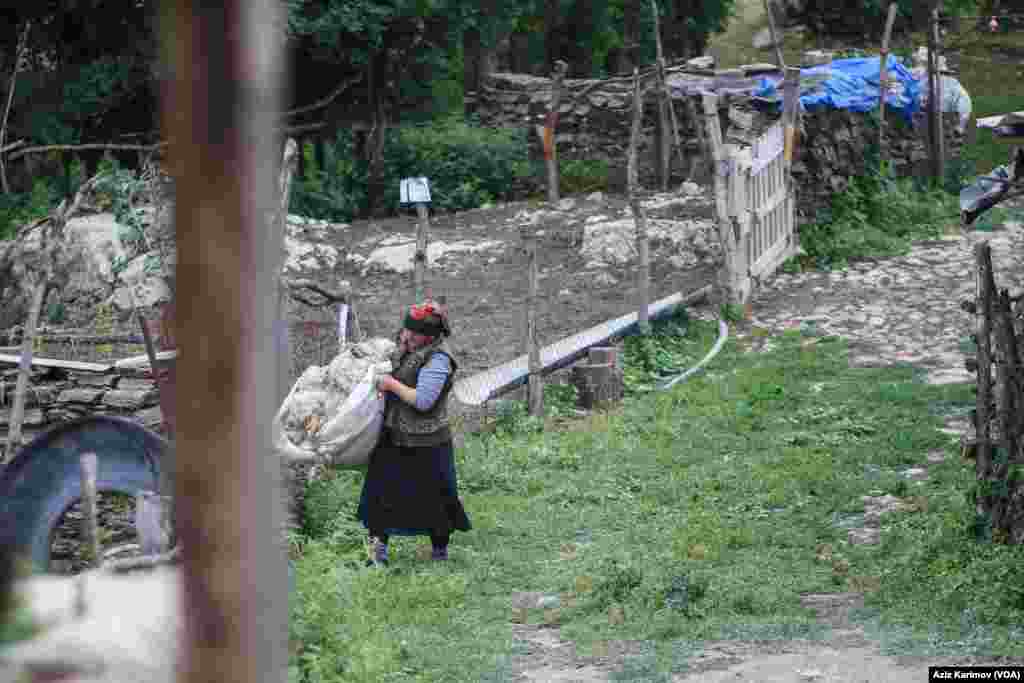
[(755, 204)]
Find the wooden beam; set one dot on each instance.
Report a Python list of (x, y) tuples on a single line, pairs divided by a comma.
[(222, 102), (57, 363), (883, 85)]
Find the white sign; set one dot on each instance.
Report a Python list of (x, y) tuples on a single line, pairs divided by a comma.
[(768, 147), (415, 191), (342, 323)]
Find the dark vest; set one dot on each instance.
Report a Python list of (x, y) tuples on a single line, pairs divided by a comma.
[(409, 426)]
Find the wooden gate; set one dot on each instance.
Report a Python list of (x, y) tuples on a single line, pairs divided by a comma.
[(755, 201)]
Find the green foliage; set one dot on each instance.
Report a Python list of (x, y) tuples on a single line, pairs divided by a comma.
[(17, 210), (578, 176), (876, 216), (467, 166), (668, 350), (699, 511)]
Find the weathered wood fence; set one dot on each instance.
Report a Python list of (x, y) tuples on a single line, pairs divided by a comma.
[(998, 416), (755, 197)]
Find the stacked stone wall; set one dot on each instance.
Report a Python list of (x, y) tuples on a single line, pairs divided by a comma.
[(57, 395), (595, 118)]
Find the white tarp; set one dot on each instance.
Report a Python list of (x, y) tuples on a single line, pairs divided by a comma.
[(334, 413)]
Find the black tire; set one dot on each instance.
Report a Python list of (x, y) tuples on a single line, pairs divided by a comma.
[(43, 480)]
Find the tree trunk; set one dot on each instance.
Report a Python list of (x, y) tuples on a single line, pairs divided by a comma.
[(375, 138), (519, 54), (552, 36), (629, 57), (472, 60)]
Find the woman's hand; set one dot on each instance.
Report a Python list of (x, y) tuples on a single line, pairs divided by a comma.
[(386, 383)]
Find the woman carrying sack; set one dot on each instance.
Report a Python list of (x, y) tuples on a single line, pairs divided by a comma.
[(410, 487)]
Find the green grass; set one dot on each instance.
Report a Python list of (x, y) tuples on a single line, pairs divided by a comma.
[(697, 511)]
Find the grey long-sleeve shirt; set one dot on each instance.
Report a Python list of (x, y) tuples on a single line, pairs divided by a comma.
[(430, 381)]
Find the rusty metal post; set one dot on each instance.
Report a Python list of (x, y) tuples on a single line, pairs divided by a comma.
[(222, 99)]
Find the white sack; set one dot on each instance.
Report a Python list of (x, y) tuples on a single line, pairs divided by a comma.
[(954, 96), (334, 414)]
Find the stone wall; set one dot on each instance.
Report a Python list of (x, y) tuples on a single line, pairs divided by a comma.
[(833, 149), (595, 118), (57, 395)]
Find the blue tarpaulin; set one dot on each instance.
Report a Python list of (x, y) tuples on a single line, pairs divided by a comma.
[(850, 84)]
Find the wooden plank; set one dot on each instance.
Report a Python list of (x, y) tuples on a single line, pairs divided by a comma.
[(57, 363), (771, 259), (773, 202), (136, 362)]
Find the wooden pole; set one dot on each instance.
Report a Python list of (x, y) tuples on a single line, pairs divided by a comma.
[(90, 516), (420, 259), (14, 437), (883, 86), (775, 36), (282, 336), (934, 95), (666, 113), (547, 131), (222, 100), (940, 138), (721, 172), (983, 313), (791, 114), (642, 242), (535, 388)]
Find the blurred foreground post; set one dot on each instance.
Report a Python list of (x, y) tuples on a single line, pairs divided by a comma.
[(221, 102)]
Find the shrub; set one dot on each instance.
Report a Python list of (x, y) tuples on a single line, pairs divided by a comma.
[(468, 165), (876, 216), (19, 209), (579, 176)]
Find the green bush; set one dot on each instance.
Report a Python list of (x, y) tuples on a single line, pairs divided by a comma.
[(468, 165), (579, 176), (18, 209), (876, 216)]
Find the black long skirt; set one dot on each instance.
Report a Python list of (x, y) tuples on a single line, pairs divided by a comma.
[(411, 491)]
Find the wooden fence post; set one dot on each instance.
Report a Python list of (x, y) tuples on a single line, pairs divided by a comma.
[(935, 96), (222, 104), (983, 263), (775, 36), (721, 170), (283, 330), (89, 464), (420, 258), (642, 243), (883, 86), (666, 112), (547, 131), (535, 383)]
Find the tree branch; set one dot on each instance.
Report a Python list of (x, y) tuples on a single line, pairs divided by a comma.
[(19, 53), (320, 104), (81, 148)]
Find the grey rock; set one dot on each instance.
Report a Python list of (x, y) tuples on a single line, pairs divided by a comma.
[(93, 380), (566, 204), (763, 39), (549, 602), (86, 396), (150, 417), (136, 384), (129, 399), (32, 418)]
